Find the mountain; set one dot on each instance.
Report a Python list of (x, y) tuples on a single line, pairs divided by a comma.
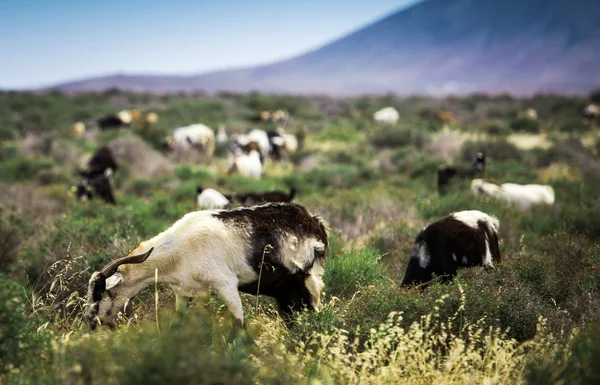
[(436, 46)]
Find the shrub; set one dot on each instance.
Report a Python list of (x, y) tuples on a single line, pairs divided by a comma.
[(6, 133), (575, 126), (19, 341), (496, 129), (497, 149), (578, 364), (398, 137), (189, 171), (188, 351), (19, 169), (351, 271), (525, 125)]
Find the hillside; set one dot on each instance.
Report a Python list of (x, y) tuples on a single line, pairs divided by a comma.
[(436, 46)]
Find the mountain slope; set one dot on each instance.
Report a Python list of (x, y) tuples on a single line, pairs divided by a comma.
[(435, 46)]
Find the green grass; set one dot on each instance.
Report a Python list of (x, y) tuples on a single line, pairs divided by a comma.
[(511, 324)]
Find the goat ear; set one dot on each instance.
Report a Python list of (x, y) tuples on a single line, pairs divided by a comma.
[(113, 280)]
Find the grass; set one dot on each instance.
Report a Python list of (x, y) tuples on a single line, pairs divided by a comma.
[(533, 319)]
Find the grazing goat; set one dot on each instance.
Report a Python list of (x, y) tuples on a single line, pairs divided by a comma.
[(271, 196), (446, 173), (121, 119), (525, 196), (101, 186), (246, 161), (282, 144), (211, 199), (463, 239), (276, 249), (387, 115), (591, 112), (198, 136), (529, 113), (99, 163)]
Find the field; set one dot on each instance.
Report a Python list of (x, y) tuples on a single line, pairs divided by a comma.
[(533, 319)]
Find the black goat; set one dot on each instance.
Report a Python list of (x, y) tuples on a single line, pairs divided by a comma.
[(446, 173), (267, 197), (98, 185), (101, 161)]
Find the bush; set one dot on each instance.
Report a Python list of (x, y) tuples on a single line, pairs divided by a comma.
[(6, 133), (351, 271), (19, 169), (398, 137), (575, 126), (19, 341), (525, 125), (579, 364), (496, 129), (496, 149)]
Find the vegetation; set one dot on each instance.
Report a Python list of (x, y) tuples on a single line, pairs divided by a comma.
[(534, 319)]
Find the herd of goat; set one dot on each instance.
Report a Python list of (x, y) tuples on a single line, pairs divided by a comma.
[(271, 245)]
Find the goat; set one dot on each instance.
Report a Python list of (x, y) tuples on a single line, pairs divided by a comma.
[(211, 199), (247, 161), (463, 239), (100, 185), (99, 163), (445, 173), (282, 144), (120, 119), (529, 113), (387, 115), (197, 136), (277, 249), (77, 130), (525, 196), (271, 196), (591, 112)]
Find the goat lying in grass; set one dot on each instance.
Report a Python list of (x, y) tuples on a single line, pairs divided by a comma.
[(463, 239), (275, 249), (525, 196)]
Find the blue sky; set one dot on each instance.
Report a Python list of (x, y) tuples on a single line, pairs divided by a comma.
[(48, 41)]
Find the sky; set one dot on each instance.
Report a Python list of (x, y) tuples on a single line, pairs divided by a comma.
[(44, 42)]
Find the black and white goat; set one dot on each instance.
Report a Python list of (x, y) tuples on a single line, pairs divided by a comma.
[(276, 249), (99, 163), (98, 185), (97, 176), (463, 239), (446, 173), (120, 119)]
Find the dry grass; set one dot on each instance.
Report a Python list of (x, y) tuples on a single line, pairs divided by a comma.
[(529, 141), (427, 352)]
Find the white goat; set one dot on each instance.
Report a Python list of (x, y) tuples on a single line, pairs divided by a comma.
[(387, 115), (225, 250), (525, 196), (211, 199), (195, 136), (248, 164)]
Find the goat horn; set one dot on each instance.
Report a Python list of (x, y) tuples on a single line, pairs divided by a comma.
[(112, 267)]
